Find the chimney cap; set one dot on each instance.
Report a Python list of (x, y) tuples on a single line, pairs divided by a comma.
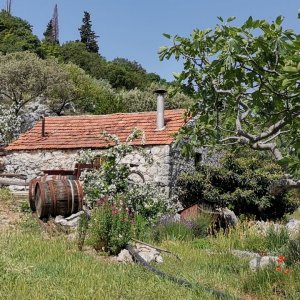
[(160, 91)]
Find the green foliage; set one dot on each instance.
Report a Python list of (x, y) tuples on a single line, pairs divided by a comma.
[(245, 80), (50, 50), (112, 177), (143, 100), (16, 35), (146, 201), (87, 35), (24, 77), (6, 195), (266, 279), (77, 53), (201, 225), (292, 251), (110, 228), (31, 264), (48, 34), (82, 230), (111, 180), (276, 238), (122, 73), (240, 182), (120, 208), (174, 231), (10, 124), (25, 207)]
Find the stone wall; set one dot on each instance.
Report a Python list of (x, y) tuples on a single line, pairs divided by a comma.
[(31, 163)]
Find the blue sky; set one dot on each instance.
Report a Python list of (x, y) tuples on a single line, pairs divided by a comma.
[(133, 28)]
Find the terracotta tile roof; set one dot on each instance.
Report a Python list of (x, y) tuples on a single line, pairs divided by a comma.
[(74, 132)]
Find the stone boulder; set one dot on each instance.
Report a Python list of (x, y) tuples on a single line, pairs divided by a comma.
[(261, 262), (124, 256), (148, 253), (69, 222)]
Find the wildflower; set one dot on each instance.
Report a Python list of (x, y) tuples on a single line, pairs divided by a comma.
[(286, 271), (278, 269), (281, 259)]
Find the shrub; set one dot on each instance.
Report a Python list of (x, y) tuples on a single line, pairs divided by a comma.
[(121, 208), (146, 201), (110, 228), (241, 183), (112, 179)]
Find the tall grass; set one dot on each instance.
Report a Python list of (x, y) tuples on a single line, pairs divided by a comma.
[(35, 268), (38, 266)]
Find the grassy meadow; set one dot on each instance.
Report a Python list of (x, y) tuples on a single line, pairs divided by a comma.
[(38, 264)]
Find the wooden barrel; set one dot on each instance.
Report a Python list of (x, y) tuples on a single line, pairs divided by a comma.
[(33, 185), (58, 197)]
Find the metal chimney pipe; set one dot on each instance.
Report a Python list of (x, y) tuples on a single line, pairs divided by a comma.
[(160, 119), (43, 127)]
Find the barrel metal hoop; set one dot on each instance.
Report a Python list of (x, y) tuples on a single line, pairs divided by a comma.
[(78, 186), (80, 192), (42, 198), (53, 196), (67, 190), (72, 192)]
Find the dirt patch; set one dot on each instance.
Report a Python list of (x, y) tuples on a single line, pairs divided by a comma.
[(10, 213)]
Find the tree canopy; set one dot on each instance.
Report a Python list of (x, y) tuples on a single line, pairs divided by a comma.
[(87, 35), (246, 84), (16, 35)]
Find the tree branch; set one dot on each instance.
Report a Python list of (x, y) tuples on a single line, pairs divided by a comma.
[(268, 146), (273, 129)]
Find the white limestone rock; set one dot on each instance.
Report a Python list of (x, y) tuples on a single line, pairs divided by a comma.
[(262, 262), (124, 257)]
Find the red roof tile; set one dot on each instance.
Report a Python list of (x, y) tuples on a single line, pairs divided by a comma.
[(74, 132)]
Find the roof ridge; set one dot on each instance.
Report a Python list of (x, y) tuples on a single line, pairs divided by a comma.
[(116, 114)]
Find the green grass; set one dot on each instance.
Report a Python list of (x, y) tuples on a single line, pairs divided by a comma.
[(35, 268), (34, 265)]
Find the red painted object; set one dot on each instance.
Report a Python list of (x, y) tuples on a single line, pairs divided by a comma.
[(190, 212)]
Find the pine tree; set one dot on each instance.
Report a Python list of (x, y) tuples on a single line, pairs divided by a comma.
[(87, 35)]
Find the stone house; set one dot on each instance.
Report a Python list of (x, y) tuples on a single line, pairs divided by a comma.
[(54, 143)]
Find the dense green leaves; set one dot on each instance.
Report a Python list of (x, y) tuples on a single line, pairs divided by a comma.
[(246, 82), (16, 35), (240, 182), (87, 35)]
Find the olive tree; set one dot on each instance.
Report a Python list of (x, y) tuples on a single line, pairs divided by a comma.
[(22, 79), (246, 84)]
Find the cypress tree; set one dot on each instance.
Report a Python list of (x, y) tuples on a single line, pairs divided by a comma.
[(87, 35)]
